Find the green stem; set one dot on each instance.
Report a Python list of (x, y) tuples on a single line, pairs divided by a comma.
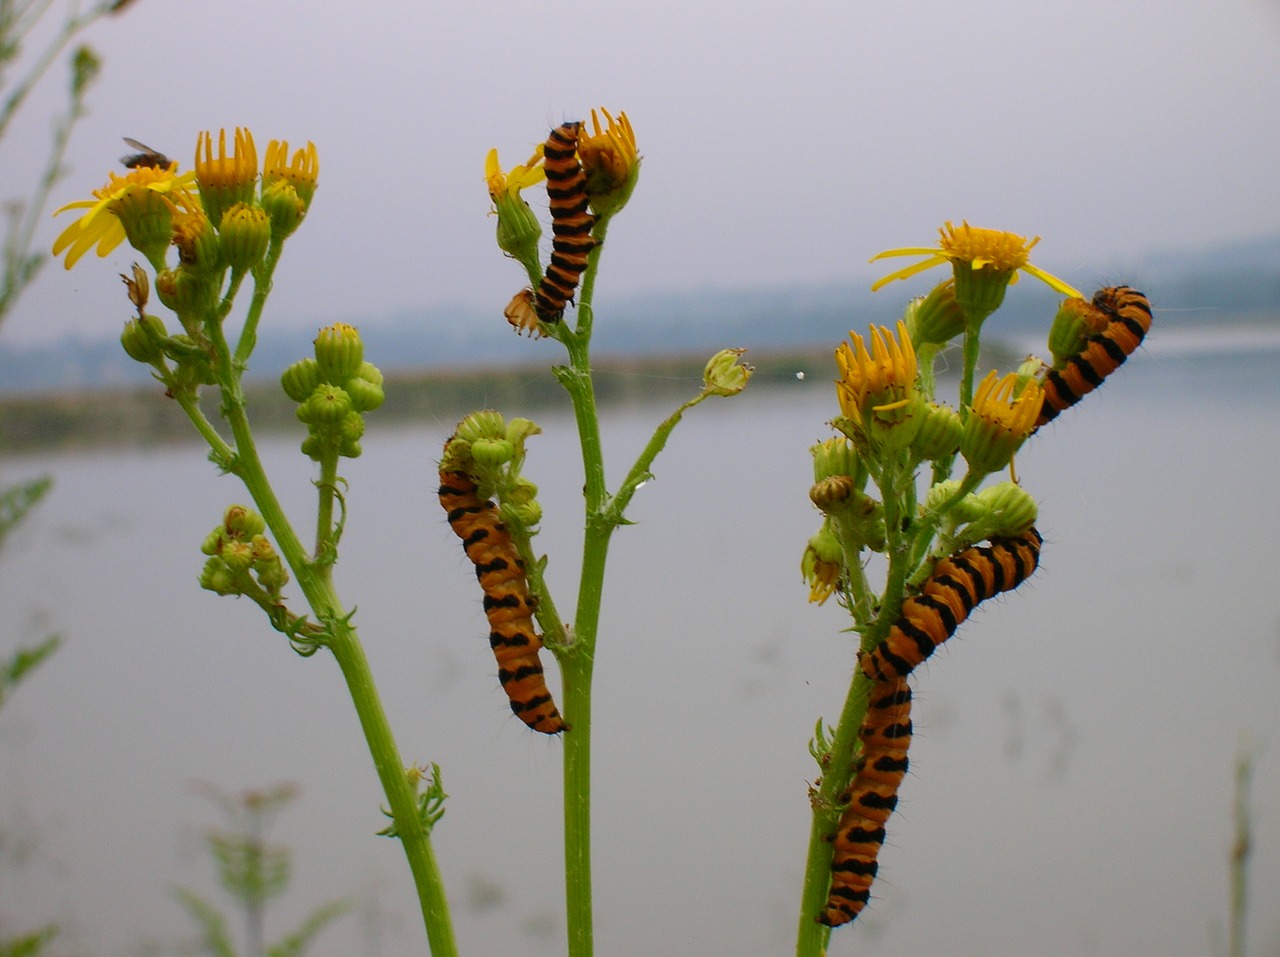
[(261, 289), (811, 937), (971, 350), (326, 490), (344, 643), (576, 664), (929, 522)]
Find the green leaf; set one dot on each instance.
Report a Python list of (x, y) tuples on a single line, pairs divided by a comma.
[(28, 945), (22, 661), (17, 500), (213, 926)]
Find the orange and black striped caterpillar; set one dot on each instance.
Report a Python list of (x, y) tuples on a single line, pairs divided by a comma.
[(958, 583), (1127, 316), (570, 222), (507, 602), (873, 795)]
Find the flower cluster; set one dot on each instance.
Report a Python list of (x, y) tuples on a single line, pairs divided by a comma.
[(242, 561), (491, 450), (225, 219), (334, 390), (891, 421), (154, 206)]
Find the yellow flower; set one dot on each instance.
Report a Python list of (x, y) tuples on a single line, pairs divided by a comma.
[(225, 180), (883, 376), (979, 249), (138, 207), (238, 169), (521, 177), (302, 171), (610, 161), (518, 228), (1003, 414), (877, 389)]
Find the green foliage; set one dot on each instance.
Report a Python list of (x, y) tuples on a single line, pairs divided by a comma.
[(252, 872), (17, 500), (28, 945), (16, 667)]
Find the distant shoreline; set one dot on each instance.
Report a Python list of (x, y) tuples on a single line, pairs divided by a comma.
[(143, 416)]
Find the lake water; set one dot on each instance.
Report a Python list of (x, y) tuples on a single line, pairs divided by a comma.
[(1071, 777)]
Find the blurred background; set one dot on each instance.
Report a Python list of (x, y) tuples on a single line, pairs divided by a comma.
[(1071, 785)]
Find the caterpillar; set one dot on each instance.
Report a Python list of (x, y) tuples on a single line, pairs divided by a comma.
[(570, 222), (507, 602), (873, 795), (1128, 318), (957, 585)]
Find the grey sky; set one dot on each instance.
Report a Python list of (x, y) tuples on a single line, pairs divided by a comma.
[(783, 143)]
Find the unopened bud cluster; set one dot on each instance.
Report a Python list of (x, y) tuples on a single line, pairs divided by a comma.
[(241, 559), (491, 449), (333, 391)]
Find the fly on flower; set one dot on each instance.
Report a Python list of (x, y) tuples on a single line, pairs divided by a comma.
[(145, 156), (139, 206)]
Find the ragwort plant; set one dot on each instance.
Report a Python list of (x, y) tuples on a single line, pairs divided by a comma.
[(926, 512), (213, 233)]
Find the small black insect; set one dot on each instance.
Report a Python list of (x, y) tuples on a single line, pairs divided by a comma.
[(145, 156)]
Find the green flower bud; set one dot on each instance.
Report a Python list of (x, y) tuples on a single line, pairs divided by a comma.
[(237, 556), (937, 318), (245, 233), (199, 249), (1010, 509), (243, 523), (352, 427), (965, 510), (212, 543), (166, 292), (526, 515), (325, 406), (1075, 322), (187, 293), (522, 492), (939, 434), (351, 449), (518, 230), (313, 447), (723, 375), (267, 565), (217, 578), (272, 576), (301, 379), (867, 520), (491, 454), (836, 456), (487, 424), (365, 395), (339, 352), (284, 207), (141, 339)]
